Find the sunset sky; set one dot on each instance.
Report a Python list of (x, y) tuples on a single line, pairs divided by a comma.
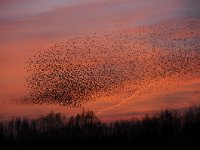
[(27, 26)]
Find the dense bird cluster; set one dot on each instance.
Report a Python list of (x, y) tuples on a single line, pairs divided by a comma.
[(118, 63)]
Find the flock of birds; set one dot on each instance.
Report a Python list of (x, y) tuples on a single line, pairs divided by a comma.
[(132, 62)]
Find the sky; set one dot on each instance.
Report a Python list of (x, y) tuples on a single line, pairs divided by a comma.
[(27, 26)]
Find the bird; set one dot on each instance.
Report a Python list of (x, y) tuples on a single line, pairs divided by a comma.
[(92, 67)]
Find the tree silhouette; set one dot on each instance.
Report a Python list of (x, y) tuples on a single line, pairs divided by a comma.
[(168, 127)]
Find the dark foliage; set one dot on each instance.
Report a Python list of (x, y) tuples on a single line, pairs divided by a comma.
[(167, 127)]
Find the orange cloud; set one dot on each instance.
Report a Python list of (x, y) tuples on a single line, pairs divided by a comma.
[(22, 34)]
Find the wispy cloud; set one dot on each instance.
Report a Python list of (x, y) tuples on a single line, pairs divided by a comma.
[(28, 25)]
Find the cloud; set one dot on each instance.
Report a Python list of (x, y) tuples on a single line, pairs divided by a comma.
[(175, 98), (29, 25), (192, 8), (64, 20)]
